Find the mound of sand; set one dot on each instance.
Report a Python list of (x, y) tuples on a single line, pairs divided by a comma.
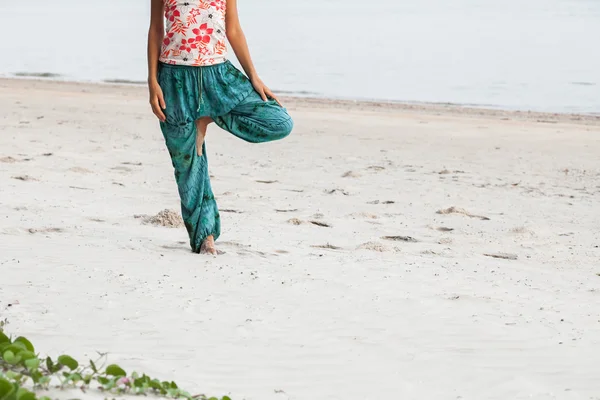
[(166, 218)]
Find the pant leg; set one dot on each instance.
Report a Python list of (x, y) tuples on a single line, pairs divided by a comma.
[(198, 206), (257, 121)]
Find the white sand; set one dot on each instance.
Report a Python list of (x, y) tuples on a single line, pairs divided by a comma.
[(277, 317)]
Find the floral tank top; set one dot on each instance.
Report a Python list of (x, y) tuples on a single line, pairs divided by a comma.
[(195, 32)]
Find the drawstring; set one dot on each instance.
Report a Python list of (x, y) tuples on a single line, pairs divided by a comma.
[(201, 102)]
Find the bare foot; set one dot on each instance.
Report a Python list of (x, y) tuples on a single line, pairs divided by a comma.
[(208, 246), (201, 128)]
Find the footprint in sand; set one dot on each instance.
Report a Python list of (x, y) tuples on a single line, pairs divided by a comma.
[(503, 256), (26, 178), (375, 168), (381, 202), (407, 239), (522, 231), (45, 230), (456, 210), (363, 215), (297, 221), (286, 211), (375, 246), (266, 182), (8, 160), (351, 174), (80, 170), (334, 191), (441, 228), (121, 168), (321, 224), (327, 246)]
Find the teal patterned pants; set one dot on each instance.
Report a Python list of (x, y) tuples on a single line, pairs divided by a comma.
[(223, 93)]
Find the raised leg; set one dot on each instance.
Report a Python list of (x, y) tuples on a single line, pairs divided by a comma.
[(257, 121)]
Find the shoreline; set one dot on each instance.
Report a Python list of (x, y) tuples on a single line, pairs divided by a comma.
[(427, 108)]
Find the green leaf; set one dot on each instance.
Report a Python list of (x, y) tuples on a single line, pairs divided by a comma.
[(25, 342), (16, 348), (226, 398), (32, 363), (87, 379), (24, 394), (68, 361), (4, 338), (93, 367), (44, 380), (7, 390), (10, 357), (115, 370), (20, 345), (102, 380), (13, 375), (155, 384), (45, 398), (174, 385), (36, 376), (73, 377), (110, 384), (26, 355)]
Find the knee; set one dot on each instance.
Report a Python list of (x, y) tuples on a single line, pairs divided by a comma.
[(203, 122), (283, 129)]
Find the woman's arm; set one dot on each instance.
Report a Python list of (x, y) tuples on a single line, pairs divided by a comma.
[(155, 38), (238, 42)]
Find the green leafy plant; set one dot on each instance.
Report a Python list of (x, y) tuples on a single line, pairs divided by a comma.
[(23, 373)]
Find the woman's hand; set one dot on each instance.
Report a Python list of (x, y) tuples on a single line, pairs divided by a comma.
[(263, 90), (157, 101)]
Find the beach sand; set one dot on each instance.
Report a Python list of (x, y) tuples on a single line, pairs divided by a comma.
[(381, 251)]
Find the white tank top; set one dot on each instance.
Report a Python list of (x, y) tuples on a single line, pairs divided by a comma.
[(195, 32)]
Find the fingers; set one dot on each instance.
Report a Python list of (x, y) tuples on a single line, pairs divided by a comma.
[(272, 96), (157, 110), (161, 101), (263, 95)]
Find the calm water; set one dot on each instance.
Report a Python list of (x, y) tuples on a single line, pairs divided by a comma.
[(523, 54)]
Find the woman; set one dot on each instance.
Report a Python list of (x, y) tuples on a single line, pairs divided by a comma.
[(192, 84)]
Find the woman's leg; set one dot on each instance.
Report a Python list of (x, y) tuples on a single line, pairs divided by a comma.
[(201, 128), (198, 206), (257, 121)]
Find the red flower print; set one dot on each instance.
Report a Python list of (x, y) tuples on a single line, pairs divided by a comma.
[(187, 45), (220, 47), (218, 4), (167, 39), (203, 34), (171, 13)]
